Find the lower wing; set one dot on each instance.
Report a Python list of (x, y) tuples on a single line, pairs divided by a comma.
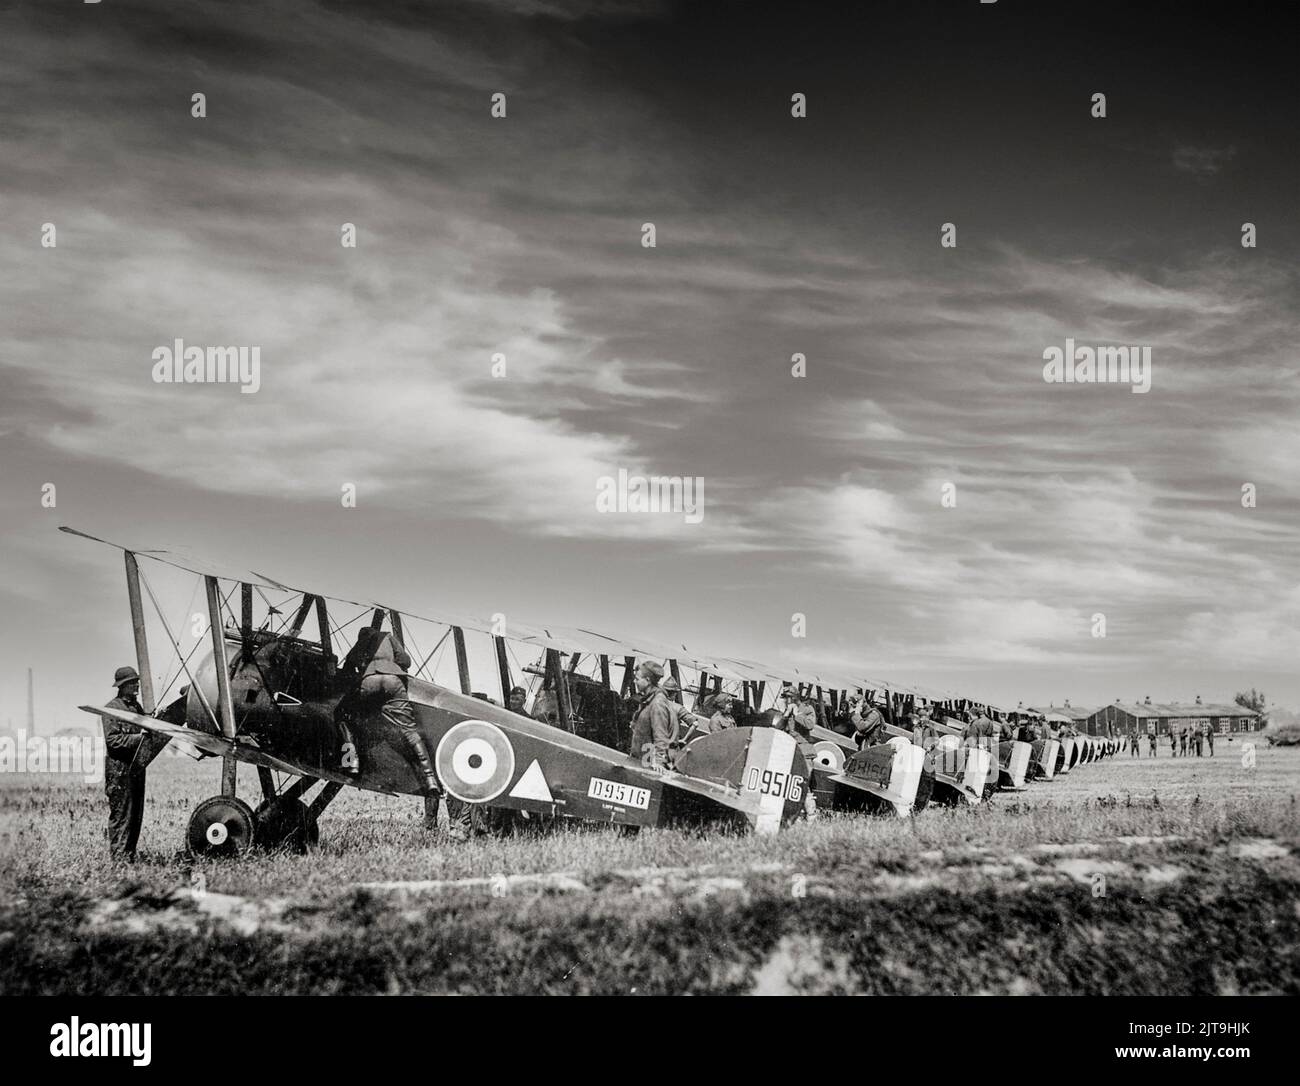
[(219, 745)]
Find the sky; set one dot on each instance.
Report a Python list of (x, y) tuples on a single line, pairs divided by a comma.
[(522, 236)]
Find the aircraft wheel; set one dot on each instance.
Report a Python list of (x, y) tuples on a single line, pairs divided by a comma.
[(285, 823), (221, 826)]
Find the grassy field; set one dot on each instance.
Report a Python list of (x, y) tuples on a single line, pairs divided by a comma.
[(1127, 876)]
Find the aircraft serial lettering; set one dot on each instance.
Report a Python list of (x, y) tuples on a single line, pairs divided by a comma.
[(625, 794), (786, 785), (879, 772)]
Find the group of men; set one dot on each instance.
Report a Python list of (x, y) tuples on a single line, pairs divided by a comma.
[(869, 726), (661, 720), (1181, 742), (377, 672), (1197, 737)]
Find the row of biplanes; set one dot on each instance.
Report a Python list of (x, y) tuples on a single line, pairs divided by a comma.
[(269, 692)]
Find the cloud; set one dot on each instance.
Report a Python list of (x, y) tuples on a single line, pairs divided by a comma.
[(521, 238), (1202, 161)]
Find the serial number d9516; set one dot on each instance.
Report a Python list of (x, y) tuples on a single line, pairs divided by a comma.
[(789, 786), (625, 795)]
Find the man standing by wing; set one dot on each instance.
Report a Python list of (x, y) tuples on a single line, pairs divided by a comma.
[(130, 750)]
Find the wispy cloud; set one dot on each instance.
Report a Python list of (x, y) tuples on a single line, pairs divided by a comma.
[(521, 238), (1203, 161)]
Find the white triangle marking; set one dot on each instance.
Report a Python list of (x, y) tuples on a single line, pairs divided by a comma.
[(532, 785)]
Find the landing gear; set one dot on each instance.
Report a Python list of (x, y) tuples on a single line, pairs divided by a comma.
[(227, 826), (286, 823), (221, 826)]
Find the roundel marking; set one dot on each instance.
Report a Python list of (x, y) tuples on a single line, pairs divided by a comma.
[(828, 755), (475, 761)]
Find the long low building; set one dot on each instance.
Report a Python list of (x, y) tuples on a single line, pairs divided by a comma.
[(1075, 714), (1123, 718)]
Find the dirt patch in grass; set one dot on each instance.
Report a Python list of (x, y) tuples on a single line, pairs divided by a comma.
[(1039, 929), (1174, 876)]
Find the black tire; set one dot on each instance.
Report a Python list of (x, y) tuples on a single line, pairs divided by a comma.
[(287, 824), (221, 826)]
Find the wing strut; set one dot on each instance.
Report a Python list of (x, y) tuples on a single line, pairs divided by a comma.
[(141, 639), (503, 666), (229, 767), (462, 660)]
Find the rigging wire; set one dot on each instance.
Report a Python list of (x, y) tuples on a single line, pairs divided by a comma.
[(441, 641), (184, 663)]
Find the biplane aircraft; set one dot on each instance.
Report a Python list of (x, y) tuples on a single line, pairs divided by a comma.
[(961, 773), (844, 778), (271, 692), (278, 700)]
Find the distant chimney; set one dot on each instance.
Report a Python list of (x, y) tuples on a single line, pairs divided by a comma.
[(1148, 700), (1067, 703), (1198, 699)]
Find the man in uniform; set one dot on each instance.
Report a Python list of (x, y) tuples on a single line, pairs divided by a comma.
[(922, 725), (721, 717), (1151, 743), (868, 727), (986, 733), (1209, 738), (1182, 743), (680, 714), (800, 715), (652, 725), (518, 695), (129, 751), (981, 727), (384, 680)]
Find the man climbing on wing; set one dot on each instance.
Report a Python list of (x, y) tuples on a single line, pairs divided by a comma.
[(384, 680)]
